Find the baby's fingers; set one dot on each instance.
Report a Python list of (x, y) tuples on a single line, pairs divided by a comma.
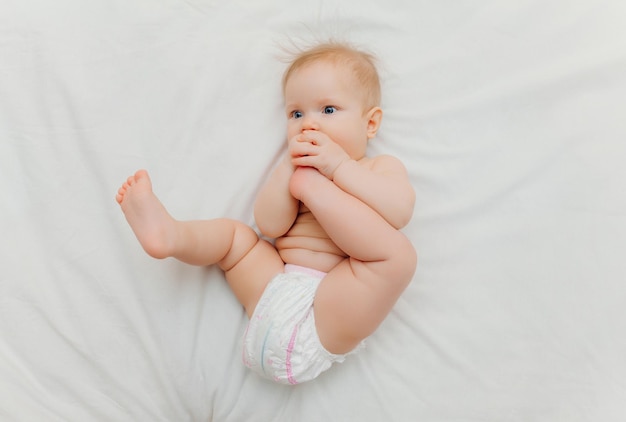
[(303, 161), (315, 137), (301, 149)]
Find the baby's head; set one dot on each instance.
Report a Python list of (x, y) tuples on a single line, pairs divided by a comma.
[(334, 89), (360, 64)]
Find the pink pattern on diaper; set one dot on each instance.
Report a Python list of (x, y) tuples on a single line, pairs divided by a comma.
[(292, 342)]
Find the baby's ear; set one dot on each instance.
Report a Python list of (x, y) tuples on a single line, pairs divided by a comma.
[(374, 117)]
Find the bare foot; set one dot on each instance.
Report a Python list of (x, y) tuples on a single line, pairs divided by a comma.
[(302, 181), (150, 221)]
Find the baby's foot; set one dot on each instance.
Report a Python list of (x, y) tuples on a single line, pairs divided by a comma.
[(304, 180), (150, 221)]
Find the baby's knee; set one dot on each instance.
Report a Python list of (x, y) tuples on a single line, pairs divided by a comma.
[(243, 239), (403, 261)]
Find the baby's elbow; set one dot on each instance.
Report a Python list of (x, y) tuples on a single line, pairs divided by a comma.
[(270, 231), (402, 218), (264, 228), (272, 227), (399, 218), (404, 212), (268, 228)]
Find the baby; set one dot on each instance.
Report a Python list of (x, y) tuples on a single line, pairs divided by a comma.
[(339, 261)]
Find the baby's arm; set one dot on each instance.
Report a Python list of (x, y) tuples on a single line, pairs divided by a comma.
[(275, 209), (384, 186)]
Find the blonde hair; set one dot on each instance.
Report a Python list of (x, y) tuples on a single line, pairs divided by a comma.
[(361, 64)]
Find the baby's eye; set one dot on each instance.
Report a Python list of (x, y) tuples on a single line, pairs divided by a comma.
[(296, 114), (329, 109)]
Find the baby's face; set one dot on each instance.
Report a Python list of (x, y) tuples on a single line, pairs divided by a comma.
[(324, 96)]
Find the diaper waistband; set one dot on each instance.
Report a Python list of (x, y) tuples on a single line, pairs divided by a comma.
[(292, 268)]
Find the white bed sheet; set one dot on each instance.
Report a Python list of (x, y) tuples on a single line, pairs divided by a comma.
[(510, 117)]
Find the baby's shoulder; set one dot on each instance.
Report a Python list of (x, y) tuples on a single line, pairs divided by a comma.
[(385, 162)]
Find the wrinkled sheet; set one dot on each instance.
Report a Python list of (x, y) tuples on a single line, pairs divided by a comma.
[(510, 117)]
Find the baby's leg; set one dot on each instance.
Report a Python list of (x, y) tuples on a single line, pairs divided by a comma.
[(249, 263), (355, 296)]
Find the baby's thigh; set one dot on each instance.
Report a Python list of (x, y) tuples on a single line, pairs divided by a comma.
[(352, 301), (251, 275)]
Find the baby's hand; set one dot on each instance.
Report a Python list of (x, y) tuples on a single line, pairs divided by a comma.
[(313, 148)]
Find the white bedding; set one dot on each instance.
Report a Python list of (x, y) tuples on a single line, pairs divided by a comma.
[(510, 117)]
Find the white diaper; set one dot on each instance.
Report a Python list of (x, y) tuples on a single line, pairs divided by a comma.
[(281, 342)]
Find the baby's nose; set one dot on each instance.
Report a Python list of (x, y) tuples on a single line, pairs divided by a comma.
[(309, 123)]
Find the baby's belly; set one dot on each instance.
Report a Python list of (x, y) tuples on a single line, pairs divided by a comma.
[(312, 252)]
